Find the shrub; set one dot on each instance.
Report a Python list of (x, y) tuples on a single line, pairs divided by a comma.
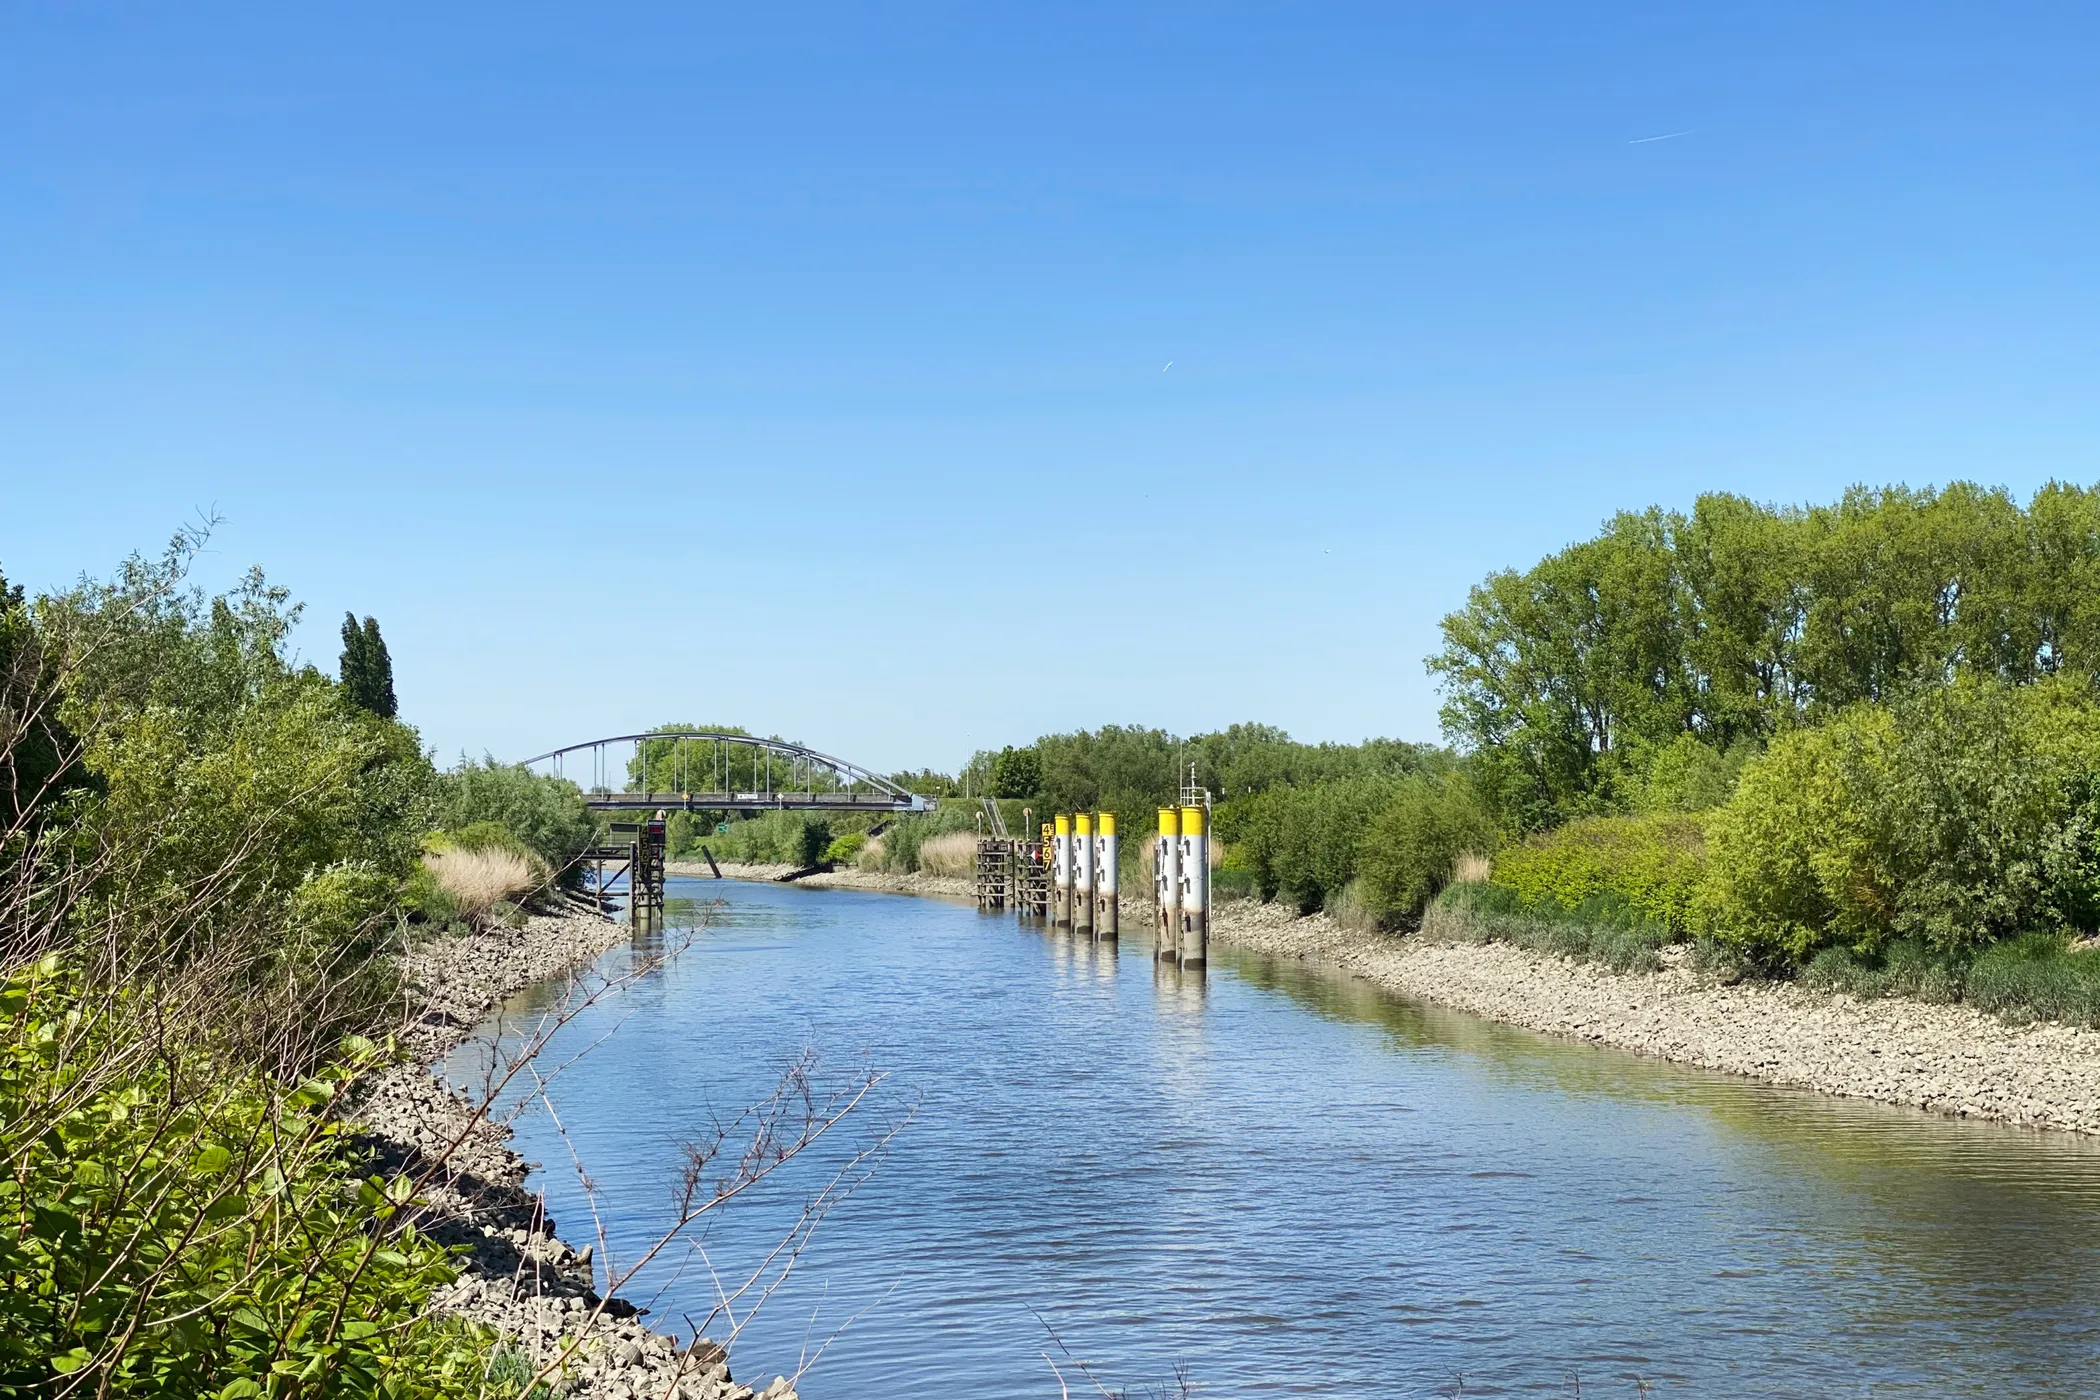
[(1302, 843), (546, 814), (799, 839), (1956, 816), (845, 850), (187, 1227), (1652, 866), (898, 846), (1686, 775), (1414, 845)]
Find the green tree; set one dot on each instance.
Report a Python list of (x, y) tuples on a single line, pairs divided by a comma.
[(1016, 772), (1739, 622), (367, 670)]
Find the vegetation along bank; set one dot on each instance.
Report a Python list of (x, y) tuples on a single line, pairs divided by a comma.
[(238, 906)]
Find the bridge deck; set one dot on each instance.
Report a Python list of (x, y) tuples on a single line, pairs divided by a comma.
[(748, 801)]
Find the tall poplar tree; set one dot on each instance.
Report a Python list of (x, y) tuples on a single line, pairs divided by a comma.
[(367, 670)]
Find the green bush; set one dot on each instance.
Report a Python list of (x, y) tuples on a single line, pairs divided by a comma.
[(1412, 845), (1686, 775), (186, 1228), (845, 850), (776, 838), (1959, 816), (547, 814), (1301, 843), (1651, 865)]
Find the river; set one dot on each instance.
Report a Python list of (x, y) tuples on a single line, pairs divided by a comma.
[(1280, 1181)]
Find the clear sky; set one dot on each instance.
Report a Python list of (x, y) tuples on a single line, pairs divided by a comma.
[(840, 336)]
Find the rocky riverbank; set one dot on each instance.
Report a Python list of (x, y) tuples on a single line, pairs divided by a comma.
[(1945, 1059), (520, 1278)]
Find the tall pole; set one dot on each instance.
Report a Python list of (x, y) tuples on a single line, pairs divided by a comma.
[(1108, 914), (1195, 888), (1166, 884), (1083, 874)]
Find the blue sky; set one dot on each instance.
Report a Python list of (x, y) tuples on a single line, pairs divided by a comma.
[(848, 328)]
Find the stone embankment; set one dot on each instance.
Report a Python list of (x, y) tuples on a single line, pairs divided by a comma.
[(519, 1278), (1946, 1059)]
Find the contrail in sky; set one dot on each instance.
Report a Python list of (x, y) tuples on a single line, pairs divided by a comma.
[(1666, 136)]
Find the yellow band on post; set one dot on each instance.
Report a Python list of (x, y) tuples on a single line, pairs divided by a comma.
[(1169, 821), (1064, 825), (1192, 821), (1083, 824), (1108, 823)]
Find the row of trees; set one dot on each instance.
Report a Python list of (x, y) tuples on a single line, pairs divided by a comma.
[(1737, 621), (1835, 731)]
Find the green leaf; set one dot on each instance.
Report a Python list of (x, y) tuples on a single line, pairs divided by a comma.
[(212, 1160)]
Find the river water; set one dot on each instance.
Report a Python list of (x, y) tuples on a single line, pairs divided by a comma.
[(1281, 1181)]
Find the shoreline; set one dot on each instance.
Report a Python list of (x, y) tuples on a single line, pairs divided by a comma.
[(518, 1277), (1950, 1060)]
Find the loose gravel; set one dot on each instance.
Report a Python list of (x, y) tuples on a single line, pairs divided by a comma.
[(1944, 1059), (518, 1277)]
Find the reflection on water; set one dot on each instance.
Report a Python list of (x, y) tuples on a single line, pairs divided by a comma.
[(1292, 1183)]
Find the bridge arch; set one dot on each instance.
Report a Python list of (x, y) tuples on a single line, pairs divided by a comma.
[(709, 770)]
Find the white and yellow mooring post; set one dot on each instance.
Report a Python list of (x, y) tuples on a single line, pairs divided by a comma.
[(1061, 874), (1108, 915), (1166, 883), (1083, 874), (1195, 888)]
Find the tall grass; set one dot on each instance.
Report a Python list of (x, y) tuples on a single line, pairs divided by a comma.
[(1602, 929), (2035, 977), (477, 880), (952, 854)]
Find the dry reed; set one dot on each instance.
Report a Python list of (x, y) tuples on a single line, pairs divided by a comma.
[(476, 880), (1472, 869), (953, 854)]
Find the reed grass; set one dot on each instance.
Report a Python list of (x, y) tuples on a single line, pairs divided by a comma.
[(477, 880), (952, 854)]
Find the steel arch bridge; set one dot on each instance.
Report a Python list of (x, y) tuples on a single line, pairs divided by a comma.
[(705, 770)]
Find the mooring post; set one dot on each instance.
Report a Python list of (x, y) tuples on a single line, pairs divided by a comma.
[(635, 916), (1061, 874), (1166, 884), (1108, 915), (1195, 888), (1083, 874)]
